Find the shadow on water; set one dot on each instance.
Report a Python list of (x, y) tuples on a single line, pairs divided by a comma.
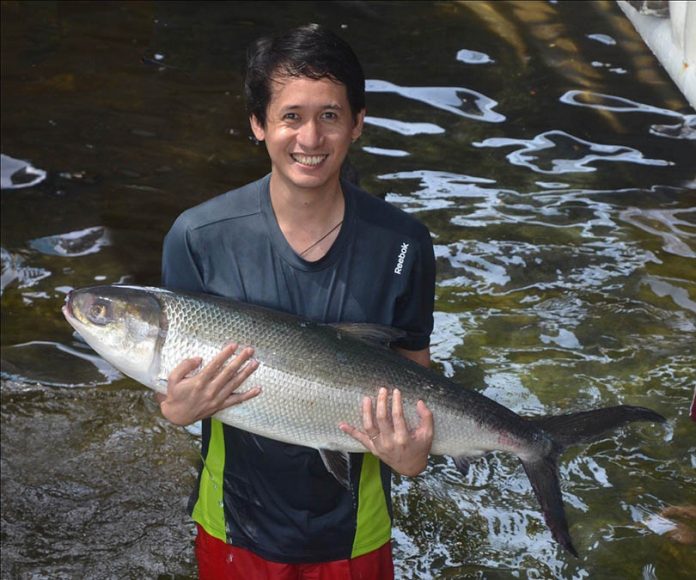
[(543, 146)]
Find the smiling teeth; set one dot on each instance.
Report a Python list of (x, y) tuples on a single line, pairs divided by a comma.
[(309, 159)]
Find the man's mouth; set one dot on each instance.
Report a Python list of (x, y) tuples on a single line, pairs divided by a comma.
[(310, 160)]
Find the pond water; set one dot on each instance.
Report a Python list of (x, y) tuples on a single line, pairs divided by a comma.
[(548, 153)]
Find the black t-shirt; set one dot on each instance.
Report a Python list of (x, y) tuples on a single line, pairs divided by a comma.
[(273, 498)]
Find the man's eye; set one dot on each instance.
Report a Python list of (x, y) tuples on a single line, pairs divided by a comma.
[(291, 116), (330, 115)]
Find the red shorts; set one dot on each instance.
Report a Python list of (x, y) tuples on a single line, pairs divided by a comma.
[(220, 561)]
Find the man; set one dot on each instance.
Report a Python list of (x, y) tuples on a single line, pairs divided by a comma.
[(300, 240)]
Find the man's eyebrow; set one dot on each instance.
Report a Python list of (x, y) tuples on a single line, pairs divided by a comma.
[(332, 106)]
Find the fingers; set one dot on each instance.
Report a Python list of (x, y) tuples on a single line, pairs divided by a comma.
[(239, 368), (426, 417), (398, 421), (232, 376), (356, 434), (184, 368), (386, 433), (367, 416), (212, 369), (382, 413), (237, 398), (378, 429), (218, 380)]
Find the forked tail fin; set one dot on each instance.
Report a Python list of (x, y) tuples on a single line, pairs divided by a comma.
[(566, 430)]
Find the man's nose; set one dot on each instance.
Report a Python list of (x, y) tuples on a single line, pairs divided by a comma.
[(309, 135)]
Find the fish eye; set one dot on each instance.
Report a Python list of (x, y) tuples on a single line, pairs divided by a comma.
[(100, 313)]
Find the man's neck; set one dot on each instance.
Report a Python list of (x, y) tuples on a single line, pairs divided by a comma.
[(295, 206)]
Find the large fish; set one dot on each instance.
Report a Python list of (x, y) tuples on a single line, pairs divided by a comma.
[(314, 376)]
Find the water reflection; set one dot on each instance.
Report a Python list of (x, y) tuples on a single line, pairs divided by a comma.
[(56, 370), (593, 100), (403, 127), (457, 100), (555, 152), (473, 57), (674, 231), (73, 244), (18, 174), (14, 269), (508, 389), (603, 38), (502, 267), (386, 152), (678, 294), (438, 190), (685, 129)]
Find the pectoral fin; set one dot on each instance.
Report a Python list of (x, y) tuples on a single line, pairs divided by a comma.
[(337, 464)]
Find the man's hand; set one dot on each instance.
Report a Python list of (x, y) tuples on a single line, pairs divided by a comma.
[(191, 397), (388, 437)]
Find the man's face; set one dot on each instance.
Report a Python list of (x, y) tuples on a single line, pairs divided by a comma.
[(309, 128)]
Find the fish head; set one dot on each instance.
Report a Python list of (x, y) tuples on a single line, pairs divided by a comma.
[(122, 324)]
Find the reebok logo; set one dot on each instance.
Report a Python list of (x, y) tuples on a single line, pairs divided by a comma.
[(402, 257)]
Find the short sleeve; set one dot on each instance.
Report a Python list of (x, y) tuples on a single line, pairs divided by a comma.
[(414, 309), (179, 268)]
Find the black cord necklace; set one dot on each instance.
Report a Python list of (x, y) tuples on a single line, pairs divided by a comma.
[(326, 235)]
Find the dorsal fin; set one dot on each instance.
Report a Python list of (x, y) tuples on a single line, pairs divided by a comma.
[(376, 334)]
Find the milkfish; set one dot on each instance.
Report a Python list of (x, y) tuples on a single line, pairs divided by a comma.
[(314, 376)]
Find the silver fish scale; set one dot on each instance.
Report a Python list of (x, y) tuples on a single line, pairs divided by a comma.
[(315, 376)]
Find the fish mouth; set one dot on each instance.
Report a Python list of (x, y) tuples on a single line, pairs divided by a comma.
[(67, 307)]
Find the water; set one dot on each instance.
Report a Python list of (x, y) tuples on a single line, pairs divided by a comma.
[(546, 150)]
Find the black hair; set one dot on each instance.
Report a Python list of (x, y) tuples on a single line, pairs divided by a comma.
[(310, 51)]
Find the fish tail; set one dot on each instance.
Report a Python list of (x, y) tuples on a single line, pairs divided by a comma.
[(567, 430), (543, 474)]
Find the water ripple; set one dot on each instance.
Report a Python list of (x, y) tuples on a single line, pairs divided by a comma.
[(680, 296), (593, 100), (473, 57), (17, 174), (71, 244), (556, 152), (15, 269), (43, 361), (603, 38), (386, 152), (447, 336), (403, 127), (438, 189), (666, 224), (457, 100), (507, 389), (502, 267)]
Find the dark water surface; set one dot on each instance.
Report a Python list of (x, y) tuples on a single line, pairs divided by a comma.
[(555, 165)]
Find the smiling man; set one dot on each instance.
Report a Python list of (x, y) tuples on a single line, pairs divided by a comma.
[(304, 241)]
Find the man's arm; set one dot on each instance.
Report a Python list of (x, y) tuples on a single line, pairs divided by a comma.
[(422, 357)]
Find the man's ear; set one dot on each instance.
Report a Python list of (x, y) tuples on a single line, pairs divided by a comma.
[(257, 128), (358, 126)]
